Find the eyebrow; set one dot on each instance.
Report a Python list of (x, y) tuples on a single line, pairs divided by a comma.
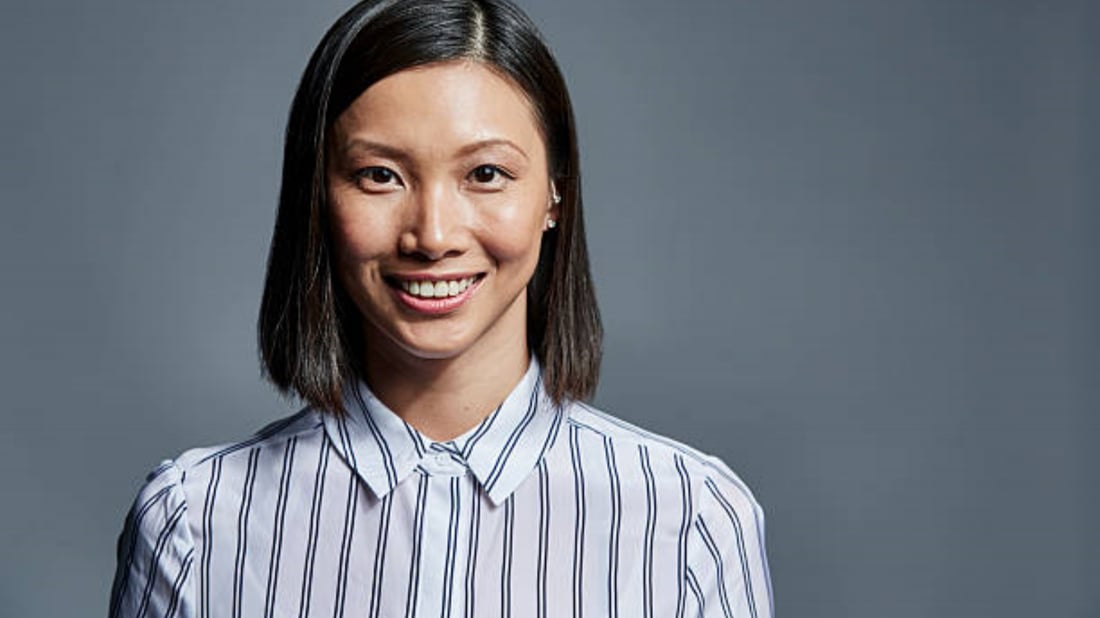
[(397, 154)]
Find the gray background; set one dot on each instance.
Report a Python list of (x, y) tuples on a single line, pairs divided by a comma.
[(851, 247)]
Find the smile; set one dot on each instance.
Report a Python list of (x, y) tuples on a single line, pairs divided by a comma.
[(436, 288), (434, 296)]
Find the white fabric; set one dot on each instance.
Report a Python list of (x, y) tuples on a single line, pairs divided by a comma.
[(537, 511)]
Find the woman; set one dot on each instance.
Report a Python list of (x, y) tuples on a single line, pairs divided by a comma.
[(428, 295)]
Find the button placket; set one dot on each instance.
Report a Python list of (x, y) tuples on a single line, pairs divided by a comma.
[(440, 459)]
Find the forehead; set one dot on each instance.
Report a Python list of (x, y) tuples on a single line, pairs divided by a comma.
[(439, 105)]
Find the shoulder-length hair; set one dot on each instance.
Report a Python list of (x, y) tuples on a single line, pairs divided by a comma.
[(310, 333)]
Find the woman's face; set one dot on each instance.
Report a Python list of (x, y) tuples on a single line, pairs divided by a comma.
[(439, 196)]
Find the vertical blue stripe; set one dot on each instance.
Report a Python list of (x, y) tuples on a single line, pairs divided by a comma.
[(413, 591), (697, 592), (736, 523), (128, 542), (314, 528), (380, 556), (452, 546), (345, 547), (544, 539), (162, 542), (208, 534), (719, 566), (579, 522), (650, 527), (277, 527), (179, 583), (242, 530), (506, 559), (471, 553), (616, 522), (685, 527)]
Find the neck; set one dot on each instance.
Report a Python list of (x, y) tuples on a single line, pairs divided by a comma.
[(445, 397)]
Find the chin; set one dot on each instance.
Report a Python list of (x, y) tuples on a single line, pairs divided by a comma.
[(444, 337), (434, 343)]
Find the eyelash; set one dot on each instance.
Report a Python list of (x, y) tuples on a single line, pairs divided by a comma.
[(495, 169), (364, 174)]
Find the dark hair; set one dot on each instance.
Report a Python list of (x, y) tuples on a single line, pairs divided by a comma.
[(310, 333)]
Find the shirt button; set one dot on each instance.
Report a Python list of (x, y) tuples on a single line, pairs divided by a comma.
[(442, 460)]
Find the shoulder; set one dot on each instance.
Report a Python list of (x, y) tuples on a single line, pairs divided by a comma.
[(174, 486), (667, 457), (159, 504), (202, 461), (157, 545), (182, 481)]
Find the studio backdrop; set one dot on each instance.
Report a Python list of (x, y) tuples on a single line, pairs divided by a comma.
[(852, 247)]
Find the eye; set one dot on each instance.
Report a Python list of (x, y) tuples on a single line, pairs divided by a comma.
[(489, 175), (375, 177)]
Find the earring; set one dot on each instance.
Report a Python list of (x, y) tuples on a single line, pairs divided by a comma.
[(555, 197)]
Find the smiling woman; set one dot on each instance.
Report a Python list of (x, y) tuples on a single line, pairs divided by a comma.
[(428, 297), (439, 193)]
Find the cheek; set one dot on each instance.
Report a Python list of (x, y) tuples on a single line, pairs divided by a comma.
[(357, 235), (513, 233)]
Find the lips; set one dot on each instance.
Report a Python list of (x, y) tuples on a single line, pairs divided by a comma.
[(434, 294)]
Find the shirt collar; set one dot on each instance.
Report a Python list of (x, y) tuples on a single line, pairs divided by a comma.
[(500, 451)]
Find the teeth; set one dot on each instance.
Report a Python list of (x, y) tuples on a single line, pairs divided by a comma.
[(437, 289)]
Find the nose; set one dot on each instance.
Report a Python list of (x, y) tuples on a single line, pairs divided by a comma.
[(436, 226)]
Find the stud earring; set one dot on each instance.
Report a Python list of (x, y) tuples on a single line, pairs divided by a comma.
[(550, 223)]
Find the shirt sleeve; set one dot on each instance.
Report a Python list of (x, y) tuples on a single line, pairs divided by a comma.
[(727, 567), (154, 552)]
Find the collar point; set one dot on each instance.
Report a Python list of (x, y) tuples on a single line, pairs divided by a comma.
[(498, 496)]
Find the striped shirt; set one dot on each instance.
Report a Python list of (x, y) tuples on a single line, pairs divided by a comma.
[(540, 510)]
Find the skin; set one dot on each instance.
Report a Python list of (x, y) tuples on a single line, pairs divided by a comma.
[(440, 169)]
